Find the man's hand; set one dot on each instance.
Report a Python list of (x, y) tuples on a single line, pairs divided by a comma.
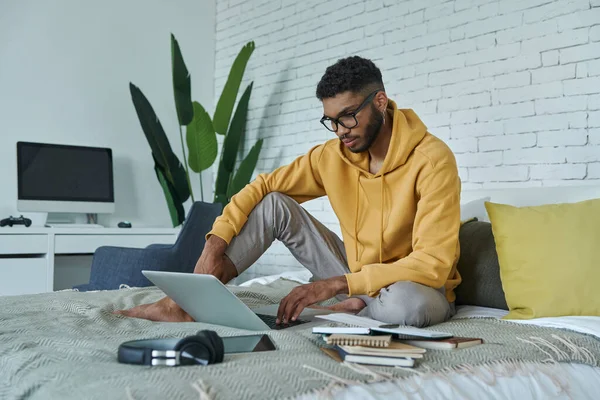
[(163, 310), (213, 261), (302, 296)]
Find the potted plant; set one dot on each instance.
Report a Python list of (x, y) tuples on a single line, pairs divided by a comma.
[(200, 136)]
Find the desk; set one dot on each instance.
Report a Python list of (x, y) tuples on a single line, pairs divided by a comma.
[(29, 256)]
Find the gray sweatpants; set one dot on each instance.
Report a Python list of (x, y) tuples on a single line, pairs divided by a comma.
[(322, 252)]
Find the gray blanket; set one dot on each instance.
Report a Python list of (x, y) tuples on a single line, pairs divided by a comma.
[(63, 345)]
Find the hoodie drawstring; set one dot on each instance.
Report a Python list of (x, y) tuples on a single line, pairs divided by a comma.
[(380, 219), (381, 224), (356, 218)]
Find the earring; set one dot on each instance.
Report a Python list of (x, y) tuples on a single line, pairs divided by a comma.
[(383, 113)]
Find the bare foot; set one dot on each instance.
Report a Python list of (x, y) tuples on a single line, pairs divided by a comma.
[(352, 305), (163, 310)]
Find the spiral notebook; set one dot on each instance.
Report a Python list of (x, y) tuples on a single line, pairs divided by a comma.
[(359, 340), (383, 351)]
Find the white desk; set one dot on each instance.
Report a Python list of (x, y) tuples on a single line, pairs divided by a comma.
[(28, 256)]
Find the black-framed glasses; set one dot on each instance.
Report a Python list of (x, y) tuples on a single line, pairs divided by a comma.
[(347, 120)]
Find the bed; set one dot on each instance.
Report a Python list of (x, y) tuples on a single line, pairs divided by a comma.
[(63, 345)]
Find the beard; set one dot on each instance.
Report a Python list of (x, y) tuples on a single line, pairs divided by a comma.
[(371, 131)]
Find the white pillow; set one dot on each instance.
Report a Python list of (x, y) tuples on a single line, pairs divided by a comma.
[(474, 209)]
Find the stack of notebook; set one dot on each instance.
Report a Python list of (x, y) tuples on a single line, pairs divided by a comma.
[(372, 342), (373, 350)]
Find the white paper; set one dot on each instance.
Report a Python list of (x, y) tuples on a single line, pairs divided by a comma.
[(343, 330), (350, 319)]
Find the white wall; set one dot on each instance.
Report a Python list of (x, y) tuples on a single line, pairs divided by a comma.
[(64, 74), (513, 86)]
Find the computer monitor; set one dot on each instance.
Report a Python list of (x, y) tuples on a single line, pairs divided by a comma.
[(67, 179)]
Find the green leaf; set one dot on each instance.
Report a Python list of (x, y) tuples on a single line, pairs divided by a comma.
[(231, 146), (244, 173), (182, 86), (223, 177), (175, 206), (201, 140), (180, 182), (230, 90), (163, 155)]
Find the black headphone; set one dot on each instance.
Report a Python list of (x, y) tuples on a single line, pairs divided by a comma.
[(206, 347)]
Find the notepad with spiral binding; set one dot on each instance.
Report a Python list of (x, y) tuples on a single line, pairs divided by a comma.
[(359, 340)]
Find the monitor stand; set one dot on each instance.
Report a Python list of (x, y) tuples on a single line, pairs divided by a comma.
[(73, 225), (71, 220)]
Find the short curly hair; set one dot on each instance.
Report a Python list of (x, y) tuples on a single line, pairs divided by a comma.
[(354, 74)]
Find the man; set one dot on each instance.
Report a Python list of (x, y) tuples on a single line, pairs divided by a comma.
[(395, 190)]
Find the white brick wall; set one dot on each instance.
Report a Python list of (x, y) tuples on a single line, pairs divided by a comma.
[(513, 86)]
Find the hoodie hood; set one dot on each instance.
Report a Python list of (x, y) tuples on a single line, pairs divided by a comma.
[(407, 132)]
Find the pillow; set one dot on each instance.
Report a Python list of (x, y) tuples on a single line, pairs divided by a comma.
[(474, 209), (549, 258), (478, 268)]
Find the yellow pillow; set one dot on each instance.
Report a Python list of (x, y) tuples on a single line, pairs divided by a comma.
[(549, 258)]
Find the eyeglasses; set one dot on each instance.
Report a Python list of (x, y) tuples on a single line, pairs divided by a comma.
[(347, 120)]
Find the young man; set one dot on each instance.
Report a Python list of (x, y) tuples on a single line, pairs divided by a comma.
[(395, 190)]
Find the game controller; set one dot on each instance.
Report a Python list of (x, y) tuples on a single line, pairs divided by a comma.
[(10, 221)]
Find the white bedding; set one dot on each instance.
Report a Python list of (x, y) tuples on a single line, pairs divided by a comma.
[(557, 381), (296, 276), (587, 325), (562, 381)]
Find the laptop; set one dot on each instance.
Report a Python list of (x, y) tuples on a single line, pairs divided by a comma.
[(208, 300)]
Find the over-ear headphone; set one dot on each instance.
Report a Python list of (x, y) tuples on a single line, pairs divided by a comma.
[(206, 347)]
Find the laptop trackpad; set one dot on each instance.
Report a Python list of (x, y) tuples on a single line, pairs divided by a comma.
[(307, 314)]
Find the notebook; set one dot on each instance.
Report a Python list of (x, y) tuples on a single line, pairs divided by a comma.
[(409, 332), (359, 340), (399, 331), (383, 352), (375, 360), (445, 344)]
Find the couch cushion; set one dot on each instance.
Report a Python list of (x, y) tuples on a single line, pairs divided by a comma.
[(479, 268)]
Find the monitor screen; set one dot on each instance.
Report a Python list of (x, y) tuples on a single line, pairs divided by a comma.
[(49, 172)]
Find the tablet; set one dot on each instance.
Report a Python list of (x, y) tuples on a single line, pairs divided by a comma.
[(248, 344)]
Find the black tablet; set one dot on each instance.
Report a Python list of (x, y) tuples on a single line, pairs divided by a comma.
[(248, 344)]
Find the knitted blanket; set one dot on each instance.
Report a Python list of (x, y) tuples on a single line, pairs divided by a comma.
[(64, 345)]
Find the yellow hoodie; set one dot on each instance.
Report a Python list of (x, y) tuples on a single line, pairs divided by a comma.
[(400, 224)]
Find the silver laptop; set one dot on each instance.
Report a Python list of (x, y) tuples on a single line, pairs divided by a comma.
[(206, 299)]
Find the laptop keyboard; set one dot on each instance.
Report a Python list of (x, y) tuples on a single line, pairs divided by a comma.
[(270, 321)]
